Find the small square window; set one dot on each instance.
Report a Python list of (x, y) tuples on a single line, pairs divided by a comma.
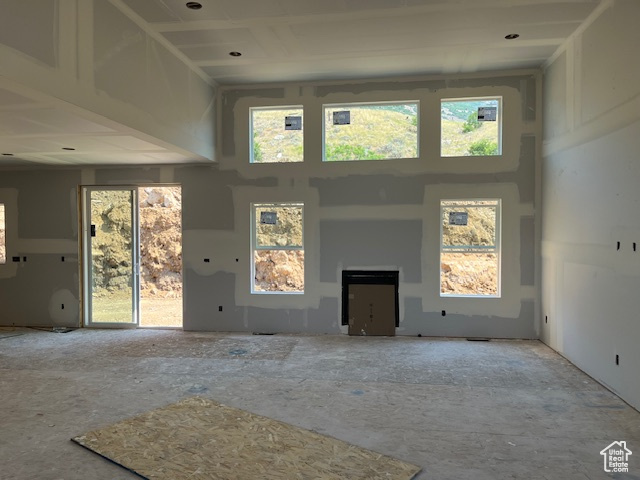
[(371, 131), (470, 248), (278, 248), (471, 127), (3, 244), (277, 135)]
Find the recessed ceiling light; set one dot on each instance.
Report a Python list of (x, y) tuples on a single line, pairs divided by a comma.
[(194, 5), (235, 54), (512, 36), (68, 148)]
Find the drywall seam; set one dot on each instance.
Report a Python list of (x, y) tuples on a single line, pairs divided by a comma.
[(571, 85), (376, 212), (67, 58), (623, 262), (88, 176), (537, 219), (47, 246), (599, 10), (166, 174), (161, 39), (615, 119), (86, 66), (373, 82), (527, 210), (528, 292)]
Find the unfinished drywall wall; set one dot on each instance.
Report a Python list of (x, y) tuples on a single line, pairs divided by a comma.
[(591, 270), (385, 214), (358, 215), (93, 57)]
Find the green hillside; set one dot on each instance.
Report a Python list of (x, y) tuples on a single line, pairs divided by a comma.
[(375, 132)]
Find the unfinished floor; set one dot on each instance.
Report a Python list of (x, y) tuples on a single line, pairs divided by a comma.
[(460, 409)]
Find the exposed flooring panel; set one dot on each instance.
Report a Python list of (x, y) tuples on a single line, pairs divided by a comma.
[(481, 410)]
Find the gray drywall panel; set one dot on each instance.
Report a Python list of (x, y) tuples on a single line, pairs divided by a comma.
[(428, 84), (35, 34), (590, 201), (323, 320), (368, 190), (529, 98), (505, 81), (203, 295), (207, 199), (119, 45), (229, 99), (416, 322), (524, 177), (527, 251), (361, 243), (127, 176), (357, 88), (555, 98), (526, 174), (34, 297), (609, 60), (44, 202), (326, 318), (265, 320), (154, 91)]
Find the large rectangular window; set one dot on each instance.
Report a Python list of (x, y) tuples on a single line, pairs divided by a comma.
[(278, 247), (277, 135), (470, 248), (471, 127), (3, 244), (371, 131)]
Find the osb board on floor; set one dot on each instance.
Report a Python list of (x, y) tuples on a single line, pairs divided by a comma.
[(197, 438), (180, 345)]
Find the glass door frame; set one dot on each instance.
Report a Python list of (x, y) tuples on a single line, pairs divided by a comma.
[(87, 257)]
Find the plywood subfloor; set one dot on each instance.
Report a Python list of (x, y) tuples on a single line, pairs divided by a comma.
[(197, 438)]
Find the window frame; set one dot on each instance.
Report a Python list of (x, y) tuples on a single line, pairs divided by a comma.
[(255, 247), (361, 104), (500, 115), (496, 249), (251, 131)]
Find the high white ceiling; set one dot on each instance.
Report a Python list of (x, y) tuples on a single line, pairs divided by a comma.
[(300, 40), (288, 41)]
